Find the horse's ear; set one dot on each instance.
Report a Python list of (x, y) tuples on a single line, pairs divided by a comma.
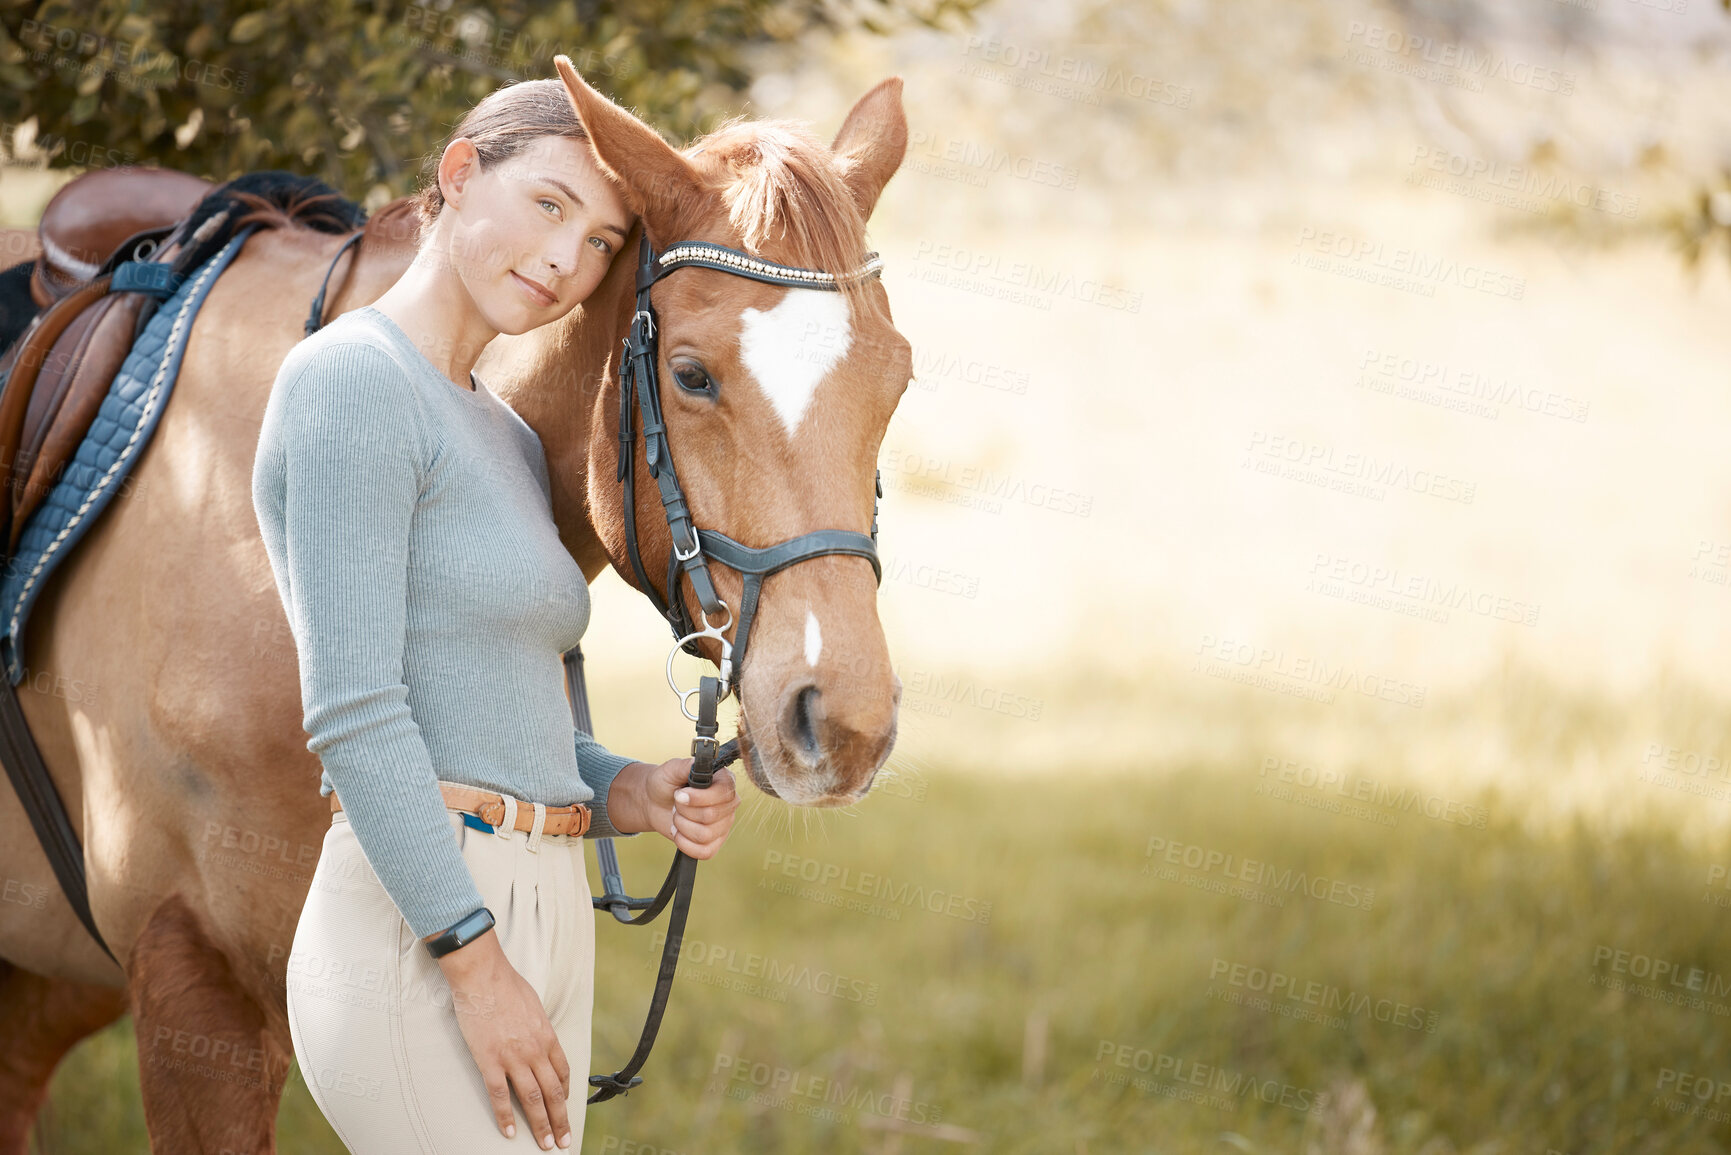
[(659, 184), (872, 142)]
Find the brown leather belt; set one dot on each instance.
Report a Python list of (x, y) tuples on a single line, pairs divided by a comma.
[(489, 807)]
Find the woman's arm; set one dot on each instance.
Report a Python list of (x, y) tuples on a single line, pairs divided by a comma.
[(348, 439), (600, 769)]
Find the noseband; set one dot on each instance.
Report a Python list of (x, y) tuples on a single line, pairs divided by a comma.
[(692, 547)]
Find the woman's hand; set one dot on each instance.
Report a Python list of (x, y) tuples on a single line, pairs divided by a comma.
[(510, 1037), (696, 821)]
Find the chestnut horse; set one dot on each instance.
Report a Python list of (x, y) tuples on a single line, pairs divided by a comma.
[(186, 771)]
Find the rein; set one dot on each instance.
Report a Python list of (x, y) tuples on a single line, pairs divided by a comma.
[(706, 758)]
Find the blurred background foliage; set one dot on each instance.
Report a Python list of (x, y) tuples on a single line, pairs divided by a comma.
[(359, 93)]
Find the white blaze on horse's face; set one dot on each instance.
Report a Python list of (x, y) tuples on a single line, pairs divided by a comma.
[(813, 639), (792, 347)]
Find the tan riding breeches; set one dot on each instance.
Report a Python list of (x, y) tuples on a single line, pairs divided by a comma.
[(370, 1010)]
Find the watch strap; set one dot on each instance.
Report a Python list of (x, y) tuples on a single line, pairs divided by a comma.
[(461, 933)]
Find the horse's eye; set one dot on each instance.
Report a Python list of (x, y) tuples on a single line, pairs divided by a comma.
[(693, 378)]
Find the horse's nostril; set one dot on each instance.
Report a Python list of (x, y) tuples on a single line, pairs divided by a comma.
[(804, 715)]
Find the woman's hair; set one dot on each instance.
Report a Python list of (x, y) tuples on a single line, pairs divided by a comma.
[(502, 125)]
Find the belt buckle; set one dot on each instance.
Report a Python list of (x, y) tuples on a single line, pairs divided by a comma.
[(488, 815)]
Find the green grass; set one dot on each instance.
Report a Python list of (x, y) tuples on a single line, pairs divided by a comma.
[(1492, 931)]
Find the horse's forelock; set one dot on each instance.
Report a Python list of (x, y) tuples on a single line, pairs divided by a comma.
[(781, 186)]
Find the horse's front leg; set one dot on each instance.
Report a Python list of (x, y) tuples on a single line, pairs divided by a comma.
[(212, 1059)]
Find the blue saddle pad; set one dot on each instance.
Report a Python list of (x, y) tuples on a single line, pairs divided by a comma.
[(117, 437)]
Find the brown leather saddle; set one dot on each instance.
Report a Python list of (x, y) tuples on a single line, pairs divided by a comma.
[(59, 370)]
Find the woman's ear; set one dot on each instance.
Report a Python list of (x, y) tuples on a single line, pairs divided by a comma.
[(457, 167)]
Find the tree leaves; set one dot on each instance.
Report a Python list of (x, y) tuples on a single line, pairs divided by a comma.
[(246, 29), (358, 92)]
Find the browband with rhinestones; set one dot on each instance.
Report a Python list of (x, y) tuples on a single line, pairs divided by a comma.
[(703, 253)]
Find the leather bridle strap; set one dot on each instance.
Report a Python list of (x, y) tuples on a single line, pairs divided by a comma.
[(757, 564), (640, 394), (638, 379), (707, 255), (316, 317)]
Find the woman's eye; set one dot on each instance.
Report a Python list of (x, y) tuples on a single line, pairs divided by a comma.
[(547, 201), (605, 247), (692, 378)]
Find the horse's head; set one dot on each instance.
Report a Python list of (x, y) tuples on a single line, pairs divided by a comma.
[(775, 401)]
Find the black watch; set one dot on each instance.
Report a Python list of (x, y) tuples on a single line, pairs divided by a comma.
[(461, 933)]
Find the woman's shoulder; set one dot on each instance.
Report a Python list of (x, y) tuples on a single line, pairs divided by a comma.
[(353, 344), (350, 373)]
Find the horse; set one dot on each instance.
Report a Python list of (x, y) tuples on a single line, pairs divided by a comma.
[(183, 763)]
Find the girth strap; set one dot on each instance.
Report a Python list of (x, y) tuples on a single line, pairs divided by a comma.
[(46, 811)]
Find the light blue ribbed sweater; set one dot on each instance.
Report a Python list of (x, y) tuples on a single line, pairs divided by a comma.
[(409, 526)]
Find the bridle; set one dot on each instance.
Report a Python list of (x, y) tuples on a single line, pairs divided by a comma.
[(639, 379)]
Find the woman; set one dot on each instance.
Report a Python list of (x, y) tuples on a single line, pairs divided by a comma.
[(442, 963)]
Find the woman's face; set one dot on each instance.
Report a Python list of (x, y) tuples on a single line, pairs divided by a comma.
[(531, 236)]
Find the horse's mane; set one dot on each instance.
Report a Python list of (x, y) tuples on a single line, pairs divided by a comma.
[(272, 199), (277, 199), (781, 185)]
